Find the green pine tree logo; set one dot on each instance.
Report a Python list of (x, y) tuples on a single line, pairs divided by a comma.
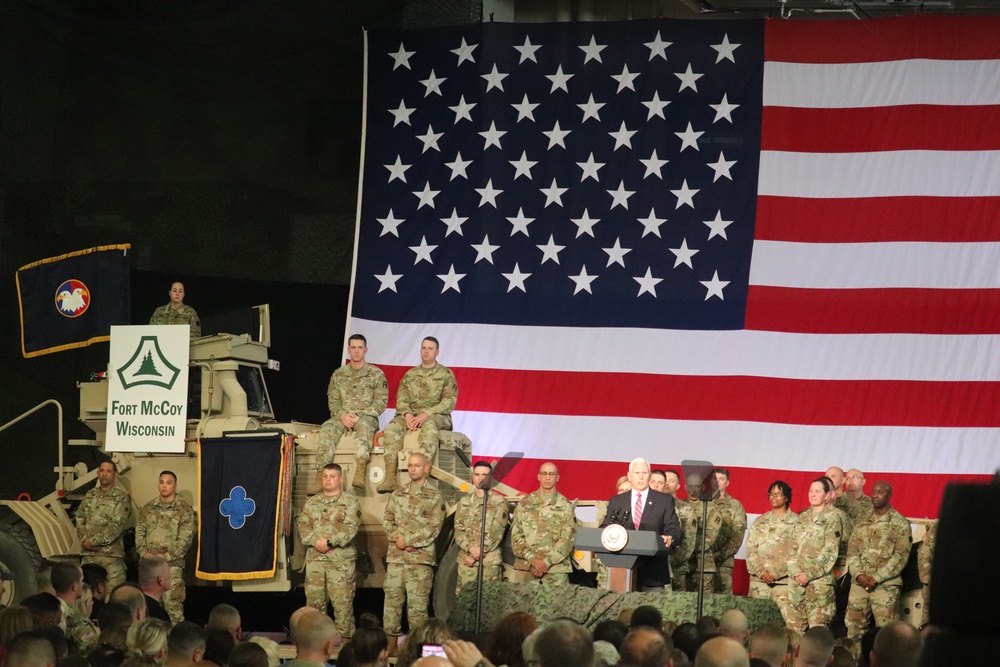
[(147, 367)]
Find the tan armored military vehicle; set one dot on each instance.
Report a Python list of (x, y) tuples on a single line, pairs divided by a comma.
[(227, 393)]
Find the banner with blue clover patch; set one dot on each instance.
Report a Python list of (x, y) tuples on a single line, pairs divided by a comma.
[(240, 480)]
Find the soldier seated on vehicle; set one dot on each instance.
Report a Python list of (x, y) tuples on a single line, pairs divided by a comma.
[(357, 394), (425, 399)]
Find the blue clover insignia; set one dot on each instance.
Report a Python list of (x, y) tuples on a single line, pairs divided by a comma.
[(237, 507)]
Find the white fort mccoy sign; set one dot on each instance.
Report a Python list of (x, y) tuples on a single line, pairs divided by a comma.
[(147, 396)]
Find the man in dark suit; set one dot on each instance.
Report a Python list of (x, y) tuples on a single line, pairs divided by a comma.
[(645, 509)]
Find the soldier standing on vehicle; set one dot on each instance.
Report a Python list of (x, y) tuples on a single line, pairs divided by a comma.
[(166, 528), (327, 527), (427, 394), (100, 520), (734, 527), (468, 530), (877, 555), (770, 544), (709, 533), (542, 532), (177, 312), (412, 521), (357, 395)]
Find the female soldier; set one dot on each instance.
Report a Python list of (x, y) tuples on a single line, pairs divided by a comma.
[(810, 566)]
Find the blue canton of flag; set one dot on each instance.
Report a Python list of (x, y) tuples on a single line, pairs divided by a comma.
[(566, 174)]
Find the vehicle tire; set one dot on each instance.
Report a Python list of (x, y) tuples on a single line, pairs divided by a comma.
[(443, 595), (19, 555)]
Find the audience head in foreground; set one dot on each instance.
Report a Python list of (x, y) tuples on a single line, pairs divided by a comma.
[(563, 643), (721, 652), (897, 644), (815, 649)]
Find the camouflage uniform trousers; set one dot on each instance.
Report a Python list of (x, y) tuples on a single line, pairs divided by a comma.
[(525, 576), (678, 578), (114, 566), (707, 581), (334, 581), (882, 603), (724, 576), (333, 430), (813, 603), (173, 599), (492, 570), (780, 594), (427, 436), (411, 582)]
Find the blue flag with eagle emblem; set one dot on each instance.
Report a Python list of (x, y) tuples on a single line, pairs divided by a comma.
[(74, 299), (241, 482)]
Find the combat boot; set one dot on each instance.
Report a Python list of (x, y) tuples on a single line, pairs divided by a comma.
[(388, 484), (360, 473)]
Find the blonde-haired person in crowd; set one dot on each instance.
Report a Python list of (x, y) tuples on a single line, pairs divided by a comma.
[(270, 647), (430, 631), (85, 603), (148, 638)]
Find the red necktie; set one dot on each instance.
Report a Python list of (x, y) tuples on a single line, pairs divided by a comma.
[(637, 515)]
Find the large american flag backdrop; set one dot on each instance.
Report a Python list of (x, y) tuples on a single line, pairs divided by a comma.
[(770, 245)]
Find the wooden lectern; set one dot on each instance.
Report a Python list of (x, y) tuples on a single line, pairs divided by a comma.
[(621, 564)]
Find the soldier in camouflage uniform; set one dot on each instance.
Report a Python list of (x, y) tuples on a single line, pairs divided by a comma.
[(412, 521), (357, 395), (878, 553), (176, 312), (854, 502), (327, 527), (67, 582), (770, 544), (842, 577), (817, 537), (426, 396), (925, 557), (100, 520), (166, 528), (468, 530), (710, 533), (542, 532), (734, 527), (688, 518)]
